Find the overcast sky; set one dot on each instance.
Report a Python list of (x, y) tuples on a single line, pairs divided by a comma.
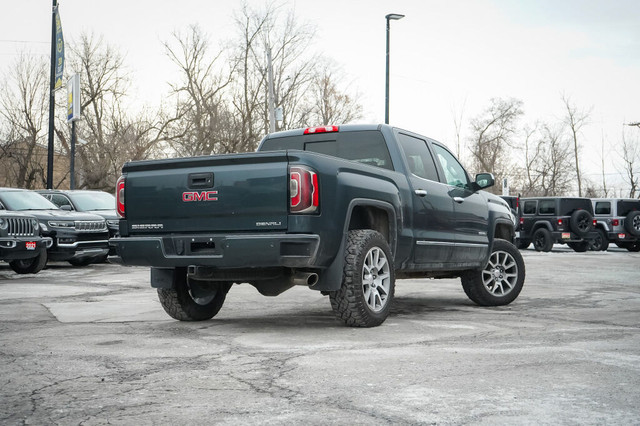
[(447, 57)]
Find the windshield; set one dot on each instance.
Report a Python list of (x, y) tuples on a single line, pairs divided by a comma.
[(93, 200), (26, 200)]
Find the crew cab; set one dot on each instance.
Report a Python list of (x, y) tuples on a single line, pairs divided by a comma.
[(79, 238), (343, 210)]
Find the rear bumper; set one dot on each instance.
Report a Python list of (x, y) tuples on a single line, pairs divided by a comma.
[(570, 237), (220, 251), (621, 237)]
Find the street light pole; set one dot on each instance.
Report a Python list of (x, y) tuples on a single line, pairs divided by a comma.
[(389, 17)]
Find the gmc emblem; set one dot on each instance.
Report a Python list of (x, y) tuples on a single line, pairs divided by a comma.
[(200, 196)]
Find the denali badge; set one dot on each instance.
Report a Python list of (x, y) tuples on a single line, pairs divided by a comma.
[(200, 196), (146, 226)]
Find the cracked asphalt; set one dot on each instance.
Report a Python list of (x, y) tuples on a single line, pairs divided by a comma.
[(93, 346)]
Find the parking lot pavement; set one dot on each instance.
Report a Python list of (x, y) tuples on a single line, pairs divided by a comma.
[(93, 346)]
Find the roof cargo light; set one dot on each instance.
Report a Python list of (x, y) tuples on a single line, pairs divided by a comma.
[(324, 129)]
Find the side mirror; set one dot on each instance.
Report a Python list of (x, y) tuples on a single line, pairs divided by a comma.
[(484, 180), (66, 207)]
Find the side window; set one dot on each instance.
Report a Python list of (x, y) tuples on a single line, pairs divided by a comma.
[(454, 173), (603, 207), (547, 207), (529, 207), (60, 200), (419, 158)]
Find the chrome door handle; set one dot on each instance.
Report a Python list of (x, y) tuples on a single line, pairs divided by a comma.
[(420, 192), (458, 200)]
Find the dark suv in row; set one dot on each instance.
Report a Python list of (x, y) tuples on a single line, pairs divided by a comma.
[(545, 221), (79, 238)]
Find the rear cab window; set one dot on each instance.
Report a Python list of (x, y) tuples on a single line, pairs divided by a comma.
[(365, 147)]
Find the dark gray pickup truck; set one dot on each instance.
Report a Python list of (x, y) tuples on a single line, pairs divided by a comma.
[(342, 210)]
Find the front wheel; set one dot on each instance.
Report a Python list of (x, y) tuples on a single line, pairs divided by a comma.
[(191, 300), (368, 280), (30, 266), (501, 281)]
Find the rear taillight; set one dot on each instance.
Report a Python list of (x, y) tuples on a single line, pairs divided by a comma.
[(304, 192), (560, 222), (522, 221), (323, 129), (120, 196), (595, 223), (615, 222)]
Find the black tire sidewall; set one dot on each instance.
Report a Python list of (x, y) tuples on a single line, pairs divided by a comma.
[(30, 266), (475, 289), (628, 223), (544, 232), (349, 302)]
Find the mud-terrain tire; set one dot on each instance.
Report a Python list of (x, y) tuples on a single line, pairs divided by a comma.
[(29, 266), (579, 246), (542, 240), (180, 303), (601, 241), (500, 281), (368, 280), (632, 223), (581, 222)]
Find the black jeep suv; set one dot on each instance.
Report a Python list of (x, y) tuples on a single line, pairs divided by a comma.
[(546, 221), (21, 243), (78, 238)]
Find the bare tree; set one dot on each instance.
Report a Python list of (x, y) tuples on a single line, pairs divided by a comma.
[(113, 134), (492, 136), (630, 163), (202, 124), (553, 166), (330, 104), (575, 119), (24, 111)]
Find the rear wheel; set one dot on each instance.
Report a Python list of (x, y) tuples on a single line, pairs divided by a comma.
[(601, 241), (631, 246), (191, 300), (500, 282), (542, 240), (368, 281), (30, 266)]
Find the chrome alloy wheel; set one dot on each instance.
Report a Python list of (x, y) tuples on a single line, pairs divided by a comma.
[(501, 273), (376, 279)]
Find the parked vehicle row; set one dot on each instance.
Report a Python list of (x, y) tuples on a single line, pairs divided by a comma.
[(580, 223), (34, 230)]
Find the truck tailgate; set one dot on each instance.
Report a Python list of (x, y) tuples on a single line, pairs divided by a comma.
[(240, 192)]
